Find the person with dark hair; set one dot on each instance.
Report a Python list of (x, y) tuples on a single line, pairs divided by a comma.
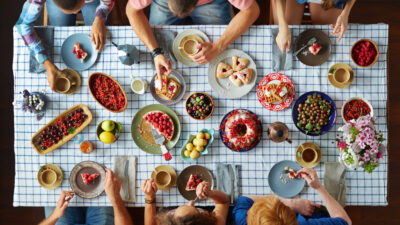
[(64, 215), (168, 12), (334, 12), (62, 13), (186, 214)]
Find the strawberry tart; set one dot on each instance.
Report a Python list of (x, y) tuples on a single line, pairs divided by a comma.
[(241, 129), (161, 122), (78, 51), (192, 183), (89, 177)]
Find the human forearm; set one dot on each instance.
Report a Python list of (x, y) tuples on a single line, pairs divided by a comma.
[(347, 8), (238, 25), (140, 24), (218, 197), (280, 13), (150, 214), (121, 215), (51, 220), (333, 207)]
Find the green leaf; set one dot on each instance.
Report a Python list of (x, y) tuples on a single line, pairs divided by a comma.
[(299, 124), (309, 126), (71, 130), (41, 169), (299, 154), (332, 71), (314, 95), (370, 167)]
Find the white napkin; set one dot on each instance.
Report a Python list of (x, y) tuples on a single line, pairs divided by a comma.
[(119, 170)]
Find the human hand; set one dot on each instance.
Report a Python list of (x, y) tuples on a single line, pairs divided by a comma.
[(62, 204), (112, 186), (202, 191), (284, 39), (149, 189), (311, 177), (162, 66), (207, 52), (302, 206), (52, 73), (341, 26), (98, 33)]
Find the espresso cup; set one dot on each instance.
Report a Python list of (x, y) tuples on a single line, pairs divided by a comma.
[(309, 155), (341, 75), (49, 176), (163, 178), (189, 46)]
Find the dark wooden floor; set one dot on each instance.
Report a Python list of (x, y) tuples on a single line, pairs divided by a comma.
[(365, 11)]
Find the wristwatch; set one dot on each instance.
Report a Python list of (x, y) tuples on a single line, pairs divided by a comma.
[(156, 52)]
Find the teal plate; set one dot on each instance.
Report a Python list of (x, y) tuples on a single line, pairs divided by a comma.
[(190, 139)]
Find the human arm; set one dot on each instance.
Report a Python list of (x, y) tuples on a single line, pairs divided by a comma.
[(283, 39), (238, 25), (59, 210), (220, 199), (333, 207), (140, 24), (150, 189), (342, 21), (99, 33), (112, 186)]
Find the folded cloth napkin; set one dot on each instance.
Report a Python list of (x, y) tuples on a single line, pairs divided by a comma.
[(332, 176), (224, 181), (280, 61), (46, 35), (165, 40), (119, 170)]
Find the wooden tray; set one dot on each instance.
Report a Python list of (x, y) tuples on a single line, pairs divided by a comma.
[(119, 85), (65, 138)]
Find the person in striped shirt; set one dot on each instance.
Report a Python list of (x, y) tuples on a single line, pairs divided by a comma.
[(62, 13)]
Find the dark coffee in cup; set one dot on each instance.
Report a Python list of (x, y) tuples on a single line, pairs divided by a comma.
[(309, 155)]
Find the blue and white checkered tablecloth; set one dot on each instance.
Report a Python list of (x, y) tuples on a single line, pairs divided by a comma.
[(370, 83)]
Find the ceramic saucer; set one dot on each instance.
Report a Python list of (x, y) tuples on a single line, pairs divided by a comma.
[(56, 169), (332, 79), (300, 160), (167, 169), (184, 59)]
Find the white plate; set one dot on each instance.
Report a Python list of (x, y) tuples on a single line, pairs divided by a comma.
[(224, 87), (179, 37)]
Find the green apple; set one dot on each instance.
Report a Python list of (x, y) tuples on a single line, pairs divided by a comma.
[(108, 125)]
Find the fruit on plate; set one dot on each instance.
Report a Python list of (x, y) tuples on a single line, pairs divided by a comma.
[(276, 92), (224, 70), (108, 125), (89, 177), (239, 63), (78, 51), (197, 145), (161, 84), (192, 183), (173, 89), (364, 53), (315, 48), (64, 126), (107, 137), (199, 106), (161, 122)]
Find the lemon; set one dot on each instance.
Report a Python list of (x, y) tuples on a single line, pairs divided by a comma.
[(194, 155), (107, 137), (189, 146), (187, 153), (207, 136), (201, 142), (199, 148), (196, 141), (200, 135)]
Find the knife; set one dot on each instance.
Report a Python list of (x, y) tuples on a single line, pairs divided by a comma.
[(232, 175), (127, 180), (160, 139), (341, 181)]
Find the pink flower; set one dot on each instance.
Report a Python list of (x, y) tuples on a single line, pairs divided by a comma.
[(342, 145), (379, 155)]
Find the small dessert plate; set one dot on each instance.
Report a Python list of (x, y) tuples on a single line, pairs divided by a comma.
[(203, 173), (190, 140), (50, 176), (86, 44), (275, 180), (92, 189), (306, 57), (179, 53), (163, 100)]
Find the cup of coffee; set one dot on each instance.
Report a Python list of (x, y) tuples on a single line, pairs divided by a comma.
[(189, 46), (163, 178), (341, 75), (309, 155), (49, 176), (138, 86)]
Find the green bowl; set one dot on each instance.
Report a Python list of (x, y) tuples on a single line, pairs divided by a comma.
[(190, 139), (140, 143), (116, 131)]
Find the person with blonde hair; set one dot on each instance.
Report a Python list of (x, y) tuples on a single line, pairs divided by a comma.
[(272, 210), (186, 214)]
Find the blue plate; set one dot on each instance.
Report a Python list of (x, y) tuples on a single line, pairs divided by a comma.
[(190, 139), (285, 190), (86, 44), (302, 99)]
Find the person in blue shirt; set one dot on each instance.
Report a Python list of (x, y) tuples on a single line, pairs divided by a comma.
[(272, 210)]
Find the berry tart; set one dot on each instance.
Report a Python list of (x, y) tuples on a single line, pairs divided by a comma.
[(78, 51), (161, 122), (192, 183), (315, 48), (89, 177)]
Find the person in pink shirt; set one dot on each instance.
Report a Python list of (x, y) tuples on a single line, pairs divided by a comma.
[(180, 12)]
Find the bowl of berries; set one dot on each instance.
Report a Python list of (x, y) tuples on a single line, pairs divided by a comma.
[(364, 53), (199, 105), (356, 107)]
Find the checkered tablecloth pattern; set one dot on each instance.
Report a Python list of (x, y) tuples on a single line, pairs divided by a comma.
[(370, 83)]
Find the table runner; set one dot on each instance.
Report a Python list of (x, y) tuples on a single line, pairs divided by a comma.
[(370, 83)]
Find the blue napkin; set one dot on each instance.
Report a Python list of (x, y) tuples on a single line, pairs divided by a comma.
[(165, 40), (224, 181), (46, 35), (280, 61)]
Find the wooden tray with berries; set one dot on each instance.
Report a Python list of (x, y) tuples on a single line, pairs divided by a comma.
[(61, 129)]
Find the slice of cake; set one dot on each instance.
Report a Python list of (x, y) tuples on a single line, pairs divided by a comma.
[(78, 51), (245, 75), (173, 89), (89, 177), (315, 48), (234, 78), (192, 182), (161, 84), (239, 63), (224, 70)]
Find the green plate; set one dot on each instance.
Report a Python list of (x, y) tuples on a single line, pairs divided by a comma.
[(149, 148)]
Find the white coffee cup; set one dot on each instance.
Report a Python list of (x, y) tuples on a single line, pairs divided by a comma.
[(138, 86)]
